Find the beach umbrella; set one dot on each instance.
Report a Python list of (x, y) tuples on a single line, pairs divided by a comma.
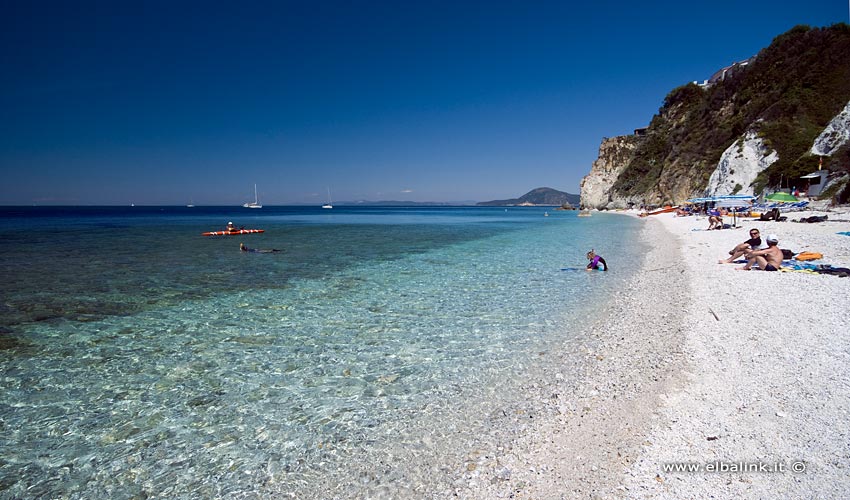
[(780, 196)]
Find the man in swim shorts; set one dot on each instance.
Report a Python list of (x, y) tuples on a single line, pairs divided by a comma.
[(769, 259)]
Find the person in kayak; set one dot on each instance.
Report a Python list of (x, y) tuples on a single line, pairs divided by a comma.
[(230, 227), (595, 261)]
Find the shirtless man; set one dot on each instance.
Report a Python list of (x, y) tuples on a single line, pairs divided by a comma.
[(769, 259)]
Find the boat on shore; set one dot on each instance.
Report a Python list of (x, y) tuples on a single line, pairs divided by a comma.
[(664, 210)]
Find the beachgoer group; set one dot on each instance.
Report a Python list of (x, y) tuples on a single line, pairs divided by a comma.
[(768, 259)]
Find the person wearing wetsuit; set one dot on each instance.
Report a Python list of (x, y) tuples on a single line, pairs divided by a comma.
[(595, 260)]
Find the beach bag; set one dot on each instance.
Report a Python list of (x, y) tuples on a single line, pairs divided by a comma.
[(809, 256)]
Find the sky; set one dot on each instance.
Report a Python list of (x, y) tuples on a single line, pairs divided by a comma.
[(170, 103)]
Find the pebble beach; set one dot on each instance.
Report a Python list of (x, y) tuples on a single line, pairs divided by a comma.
[(701, 381)]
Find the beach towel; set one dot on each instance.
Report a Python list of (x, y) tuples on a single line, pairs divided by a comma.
[(792, 265), (790, 270), (844, 233), (809, 256)]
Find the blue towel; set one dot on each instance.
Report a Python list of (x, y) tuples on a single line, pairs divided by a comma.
[(793, 264)]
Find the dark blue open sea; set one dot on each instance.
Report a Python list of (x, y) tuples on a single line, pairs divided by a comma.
[(139, 358)]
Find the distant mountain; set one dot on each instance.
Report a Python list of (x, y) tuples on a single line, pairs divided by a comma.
[(541, 196)]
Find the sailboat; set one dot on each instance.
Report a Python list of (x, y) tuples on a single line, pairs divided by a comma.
[(256, 203), (328, 204)]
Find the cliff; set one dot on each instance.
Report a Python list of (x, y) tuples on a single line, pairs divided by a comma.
[(756, 125), (614, 156)]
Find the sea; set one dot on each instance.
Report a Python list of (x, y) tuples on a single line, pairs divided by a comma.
[(365, 358)]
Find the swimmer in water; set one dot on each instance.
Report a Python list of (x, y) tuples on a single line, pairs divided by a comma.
[(243, 248)]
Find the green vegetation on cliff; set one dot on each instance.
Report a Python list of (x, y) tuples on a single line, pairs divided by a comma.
[(787, 94)]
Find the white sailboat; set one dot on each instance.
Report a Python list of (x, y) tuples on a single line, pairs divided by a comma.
[(256, 203), (328, 204)]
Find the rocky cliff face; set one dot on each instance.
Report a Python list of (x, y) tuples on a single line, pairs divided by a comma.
[(614, 155), (735, 173), (835, 135), (740, 165), (771, 120)]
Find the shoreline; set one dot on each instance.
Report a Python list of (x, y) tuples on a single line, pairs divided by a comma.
[(632, 356), (697, 363)]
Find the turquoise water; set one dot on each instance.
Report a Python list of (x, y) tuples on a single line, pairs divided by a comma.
[(142, 359)]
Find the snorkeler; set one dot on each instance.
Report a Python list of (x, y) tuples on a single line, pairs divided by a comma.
[(257, 250), (596, 261)]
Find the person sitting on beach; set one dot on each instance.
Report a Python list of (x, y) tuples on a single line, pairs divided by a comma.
[(774, 214), (754, 243), (715, 220), (595, 261), (769, 259)]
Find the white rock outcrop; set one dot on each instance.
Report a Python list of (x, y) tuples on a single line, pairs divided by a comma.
[(835, 135), (614, 156), (739, 165)]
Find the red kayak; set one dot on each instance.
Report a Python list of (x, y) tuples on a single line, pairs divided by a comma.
[(234, 232)]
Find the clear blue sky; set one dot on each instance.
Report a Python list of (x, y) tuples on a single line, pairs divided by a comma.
[(170, 102)]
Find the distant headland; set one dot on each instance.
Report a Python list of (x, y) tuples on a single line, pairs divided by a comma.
[(543, 196)]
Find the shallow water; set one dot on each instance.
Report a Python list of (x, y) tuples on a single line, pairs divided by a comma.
[(140, 358)]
